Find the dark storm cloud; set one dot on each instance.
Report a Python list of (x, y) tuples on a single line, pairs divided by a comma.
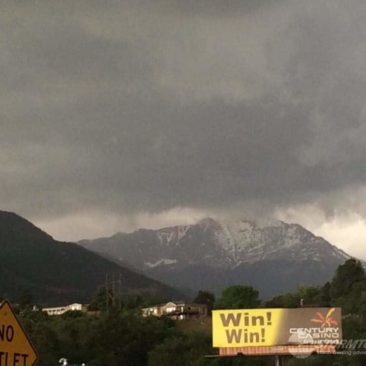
[(145, 106)]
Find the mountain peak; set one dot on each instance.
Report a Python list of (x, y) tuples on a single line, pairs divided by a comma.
[(13, 226), (207, 222), (210, 252)]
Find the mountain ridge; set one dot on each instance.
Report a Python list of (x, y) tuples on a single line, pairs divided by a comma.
[(228, 248), (56, 272)]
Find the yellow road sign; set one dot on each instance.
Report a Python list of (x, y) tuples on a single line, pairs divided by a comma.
[(15, 347)]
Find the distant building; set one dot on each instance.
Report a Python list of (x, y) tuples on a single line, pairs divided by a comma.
[(63, 309), (177, 310)]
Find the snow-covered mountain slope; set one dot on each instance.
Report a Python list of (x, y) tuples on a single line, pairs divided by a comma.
[(226, 250)]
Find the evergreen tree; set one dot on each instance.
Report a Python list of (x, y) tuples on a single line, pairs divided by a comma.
[(348, 275)]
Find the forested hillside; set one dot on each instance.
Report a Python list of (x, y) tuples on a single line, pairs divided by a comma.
[(120, 336)]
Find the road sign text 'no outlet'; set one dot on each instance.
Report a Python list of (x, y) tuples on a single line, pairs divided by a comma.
[(15, 347)]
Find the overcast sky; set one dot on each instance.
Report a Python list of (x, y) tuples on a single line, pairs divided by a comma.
[(122, 114)]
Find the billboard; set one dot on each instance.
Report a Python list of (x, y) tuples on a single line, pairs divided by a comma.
[(276, 327)]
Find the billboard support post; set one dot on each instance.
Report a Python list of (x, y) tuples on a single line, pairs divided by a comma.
[(278, 361)]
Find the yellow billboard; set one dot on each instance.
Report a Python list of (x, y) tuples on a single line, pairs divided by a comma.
[(271, 327)]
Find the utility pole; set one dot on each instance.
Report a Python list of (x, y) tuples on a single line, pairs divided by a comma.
[(113, 292), (106, 292), (120, 290), (113, 289)]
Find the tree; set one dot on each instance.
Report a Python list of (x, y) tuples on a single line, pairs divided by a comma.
[(289, 300), (125, 339), (25, 300), (181, 350), (324, 295), (39, 329), (348, 276), (206, 298), (238, 297), (309, 295), (105, 299)]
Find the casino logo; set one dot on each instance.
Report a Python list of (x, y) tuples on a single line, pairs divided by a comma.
[(325, 320)]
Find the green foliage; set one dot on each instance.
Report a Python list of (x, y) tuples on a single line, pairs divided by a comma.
[(112, 338), (238, 297), (348, 275), (122, 337), (206, 298), (99, 302), (284, 301), (304, 296), (324, 297), (181, 350), (44, 337), (125, 339), (348, 288), (25, 300), (105, 299)]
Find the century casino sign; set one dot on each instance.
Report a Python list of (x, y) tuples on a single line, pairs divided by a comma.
[(275, 327)]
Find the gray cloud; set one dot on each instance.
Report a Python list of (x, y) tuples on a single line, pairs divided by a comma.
[(139, 106), (217, 8)]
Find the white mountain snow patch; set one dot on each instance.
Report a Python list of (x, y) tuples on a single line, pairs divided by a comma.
[(160, 262)]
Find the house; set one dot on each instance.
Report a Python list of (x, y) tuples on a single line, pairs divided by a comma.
[(63, 309), (177, 310)]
